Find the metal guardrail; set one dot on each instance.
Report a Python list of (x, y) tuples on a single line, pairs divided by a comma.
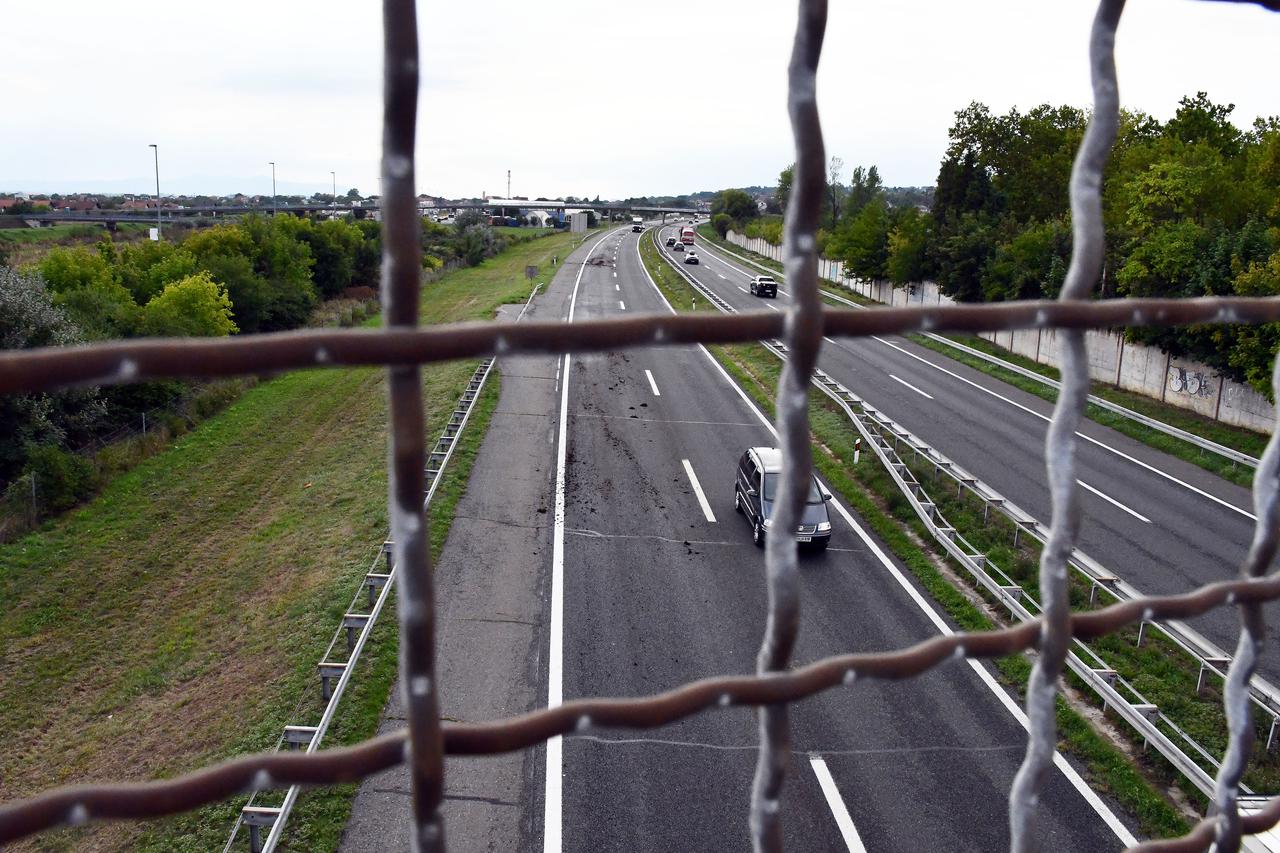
[(1191, 438), (358, 626), (1143, 716), (1211, 657)]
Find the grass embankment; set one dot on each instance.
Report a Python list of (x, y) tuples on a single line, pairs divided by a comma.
[(1236, 438), (178, 618), (871, 493)]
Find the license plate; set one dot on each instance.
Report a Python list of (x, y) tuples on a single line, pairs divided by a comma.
[(804, 538)]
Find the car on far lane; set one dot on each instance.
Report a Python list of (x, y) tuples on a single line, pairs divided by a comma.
[(671, 241), (764, 285), (755, 488), (678, 247), (691, 258)]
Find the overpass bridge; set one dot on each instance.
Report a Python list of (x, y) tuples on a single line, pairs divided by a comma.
[(213, 213)]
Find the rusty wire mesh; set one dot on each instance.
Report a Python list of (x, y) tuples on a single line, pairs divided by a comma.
[(404, 348)]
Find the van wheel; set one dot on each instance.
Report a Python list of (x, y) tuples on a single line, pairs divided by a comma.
[(737, 501), (757, 535)]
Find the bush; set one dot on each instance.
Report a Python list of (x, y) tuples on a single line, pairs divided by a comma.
[(196, 306), (62, 479), (722, 222)]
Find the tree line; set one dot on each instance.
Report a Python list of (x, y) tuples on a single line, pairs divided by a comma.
[(1191, 207), (261, 274)]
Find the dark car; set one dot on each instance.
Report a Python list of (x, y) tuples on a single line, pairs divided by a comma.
[(756, 486), (671, 241), (764, 285), (678, 247)]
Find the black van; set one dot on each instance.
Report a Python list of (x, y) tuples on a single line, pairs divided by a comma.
[(754, 489)]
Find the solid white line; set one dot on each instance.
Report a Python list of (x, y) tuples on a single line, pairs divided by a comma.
[(909, 385), (1087, 438), (552, 823), (653, 385), (1102, 809), (697, 490), (622, 305), (829, 790), (1114, 502)]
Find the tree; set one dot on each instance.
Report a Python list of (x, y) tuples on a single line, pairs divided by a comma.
[(1255, 347), (835, 192), (961, 256), (736, 204), (195, 306), (907, 247), (468, 218), (864, 187), (722, 222), (74, 268), (333, 244), (1032, 265), (1199, 119), (29, 318), (145, 268), (353, 194), (863, 242)]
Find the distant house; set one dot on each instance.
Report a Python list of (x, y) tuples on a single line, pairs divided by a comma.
[(6, 203)]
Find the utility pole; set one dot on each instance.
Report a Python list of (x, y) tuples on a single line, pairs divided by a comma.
[(335, 189), (156, 148), (274, 208), (508, 183)]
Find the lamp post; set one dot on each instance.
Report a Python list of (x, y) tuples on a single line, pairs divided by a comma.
[(335, 190), (274, 209), (156, 149)]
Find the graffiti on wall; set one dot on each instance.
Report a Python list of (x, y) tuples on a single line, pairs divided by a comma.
[(1190, 382)]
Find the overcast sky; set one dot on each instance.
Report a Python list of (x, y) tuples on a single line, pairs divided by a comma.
[(574, 97)]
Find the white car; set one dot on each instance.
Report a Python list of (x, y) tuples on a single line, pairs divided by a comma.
[(691, 258)]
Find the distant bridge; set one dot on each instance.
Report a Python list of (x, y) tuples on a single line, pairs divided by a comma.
[(213, 213)]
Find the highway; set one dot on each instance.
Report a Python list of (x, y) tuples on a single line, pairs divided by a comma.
[(597, 552), (1160, 523), (659, 588)]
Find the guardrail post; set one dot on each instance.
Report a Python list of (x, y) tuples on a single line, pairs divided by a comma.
[(388, 548), (1205, 666), (299, 736), (374, 581), (353, 622), (1271, 732), (256, 818), (329, 670)]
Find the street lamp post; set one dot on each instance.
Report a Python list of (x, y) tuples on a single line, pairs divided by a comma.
[(334, 175), (156, 148), (274, 209)]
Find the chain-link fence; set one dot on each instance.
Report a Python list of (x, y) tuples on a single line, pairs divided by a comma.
[(403, 348)]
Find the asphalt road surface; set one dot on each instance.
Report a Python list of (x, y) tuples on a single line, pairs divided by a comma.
[(1162, 524), (648, 579)]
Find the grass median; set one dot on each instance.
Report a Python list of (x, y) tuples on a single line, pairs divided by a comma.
[(870, 492), (177, 619)]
